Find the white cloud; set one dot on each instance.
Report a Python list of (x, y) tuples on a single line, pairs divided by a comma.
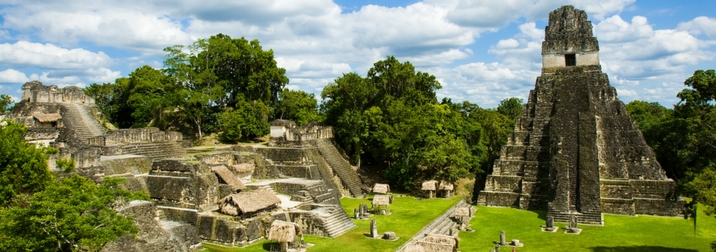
[(490, 15), (13, 76), (129, 29), (26, 53), (701, 24)]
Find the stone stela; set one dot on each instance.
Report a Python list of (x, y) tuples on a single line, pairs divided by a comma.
[(575, 150)]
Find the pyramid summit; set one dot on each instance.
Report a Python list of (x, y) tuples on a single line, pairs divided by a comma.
[(575, 151)]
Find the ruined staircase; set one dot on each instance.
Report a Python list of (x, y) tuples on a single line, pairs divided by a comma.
[(341, 167), (80, 118), (337, 222), (443, 225)]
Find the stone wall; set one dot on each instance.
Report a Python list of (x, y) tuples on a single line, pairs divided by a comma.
[(132, 136), (285, 133), (34, 91), (180, 184)]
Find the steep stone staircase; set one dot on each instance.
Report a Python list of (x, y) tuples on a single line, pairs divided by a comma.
[(341, 167), (335, 220), (443, 225), (80, 118)]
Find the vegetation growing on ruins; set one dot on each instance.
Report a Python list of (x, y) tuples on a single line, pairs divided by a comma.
[(40, 213), (215, 85), (391, 118)]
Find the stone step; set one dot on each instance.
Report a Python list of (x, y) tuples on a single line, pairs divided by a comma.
[(161, 215), (80, 119), (337, 222)]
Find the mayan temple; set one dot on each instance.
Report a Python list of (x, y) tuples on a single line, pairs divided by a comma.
[(574, 150)]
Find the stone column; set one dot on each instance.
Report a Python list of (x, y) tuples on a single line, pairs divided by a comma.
[(373, 229), (502, 237), (550, 222)]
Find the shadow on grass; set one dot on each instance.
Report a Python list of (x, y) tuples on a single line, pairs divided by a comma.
[(269, 245), (540, 214), (639, 249)]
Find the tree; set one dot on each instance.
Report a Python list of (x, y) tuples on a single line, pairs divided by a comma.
[(245, 122), (112, 100), (510, 107), (664, 133), (219, 73), (6, 104), (297, 106), (73, 214), (152, 95), (23, 166)]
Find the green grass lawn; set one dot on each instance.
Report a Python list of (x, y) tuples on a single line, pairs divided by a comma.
[(619, 233), (407, 218)]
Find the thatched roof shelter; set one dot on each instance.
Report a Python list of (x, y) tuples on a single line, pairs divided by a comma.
[(228, 177), (282, 231), (381, 200), (248, 202), (439, 243), (381, 188), (44, 118), (243, 168), (447, 186), (430, 185)]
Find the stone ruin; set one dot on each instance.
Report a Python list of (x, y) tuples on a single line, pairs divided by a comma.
[(228, 196), (575, 150)]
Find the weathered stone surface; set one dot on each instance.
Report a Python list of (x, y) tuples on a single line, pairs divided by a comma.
[(153, 235), (575, 150), (390, 236)]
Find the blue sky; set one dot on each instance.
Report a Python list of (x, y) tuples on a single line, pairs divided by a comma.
[(481, 51)]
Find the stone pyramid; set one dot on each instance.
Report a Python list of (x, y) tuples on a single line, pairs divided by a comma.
[(575, 151)]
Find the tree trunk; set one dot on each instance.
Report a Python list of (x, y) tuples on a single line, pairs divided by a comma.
[(198, 128)]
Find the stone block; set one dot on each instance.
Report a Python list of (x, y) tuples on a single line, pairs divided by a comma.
[(618, 206), (184, 215)]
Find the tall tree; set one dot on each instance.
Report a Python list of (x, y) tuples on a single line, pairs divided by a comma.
[(152, 96)]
